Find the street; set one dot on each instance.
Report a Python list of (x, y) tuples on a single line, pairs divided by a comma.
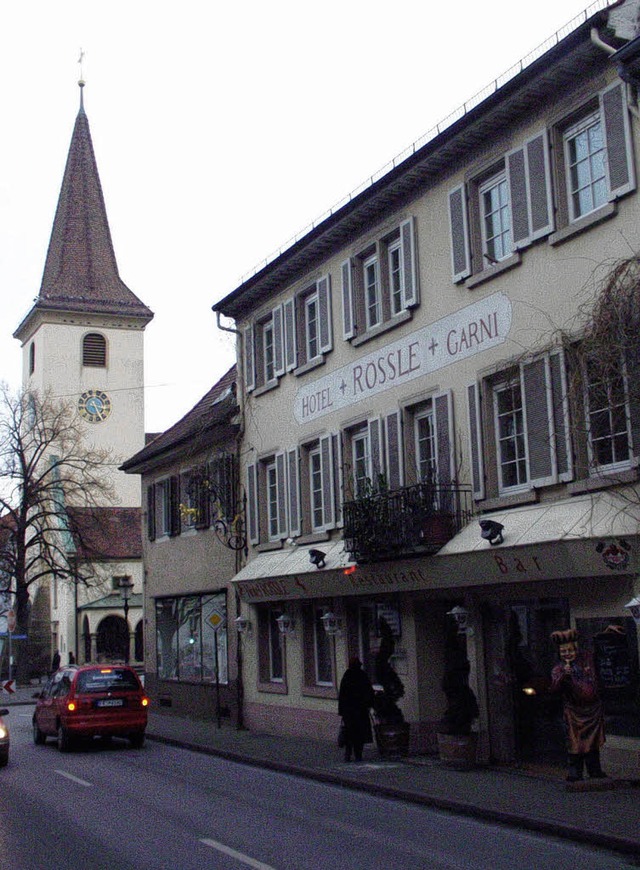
[(109, 806)]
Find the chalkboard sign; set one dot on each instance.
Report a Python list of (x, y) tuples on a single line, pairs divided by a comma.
[(613, 660)]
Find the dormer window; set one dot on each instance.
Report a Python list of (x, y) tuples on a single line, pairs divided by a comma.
[(94, 350)]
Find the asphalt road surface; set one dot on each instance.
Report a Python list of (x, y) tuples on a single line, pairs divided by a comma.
[(116, 808)]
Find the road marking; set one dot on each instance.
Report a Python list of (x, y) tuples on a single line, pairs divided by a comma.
[(245, 859), (74, 778)]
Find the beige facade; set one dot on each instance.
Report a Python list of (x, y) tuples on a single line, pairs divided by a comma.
[(422, 337)]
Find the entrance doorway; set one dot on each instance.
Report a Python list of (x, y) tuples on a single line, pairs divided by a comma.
[(112, 639)]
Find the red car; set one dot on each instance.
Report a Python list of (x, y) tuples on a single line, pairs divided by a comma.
[(85, 701)]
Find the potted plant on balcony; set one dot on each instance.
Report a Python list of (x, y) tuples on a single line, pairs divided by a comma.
[(391, 730), (457, 742)]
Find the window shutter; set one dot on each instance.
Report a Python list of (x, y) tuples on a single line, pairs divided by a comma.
[(324, 314), (348, 325), (475, 440), (540, 433), (293, 489), (410, 288), (541, 213), (338, 476), (151, 511), (443, 413), (460, 250), (282, 494), (328, 493), (174, 505), (203, 519), (617, 139), (249, 359), (516, 173), (375, 452), (252, 503), (278, 342), (561, 421), (290, 335), (393, 427)]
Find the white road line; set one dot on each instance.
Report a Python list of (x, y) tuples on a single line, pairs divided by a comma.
[(245, 859), (74, 778)]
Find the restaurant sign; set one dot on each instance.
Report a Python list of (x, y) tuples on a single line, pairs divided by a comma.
[(473, 329)]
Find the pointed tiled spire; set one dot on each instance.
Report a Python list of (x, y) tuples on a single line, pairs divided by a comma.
[(81, 273)]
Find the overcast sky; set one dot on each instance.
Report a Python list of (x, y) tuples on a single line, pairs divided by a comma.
[(221, 131)]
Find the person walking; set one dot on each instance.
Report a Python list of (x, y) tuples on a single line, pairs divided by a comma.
[(55, 662), (355, 699)]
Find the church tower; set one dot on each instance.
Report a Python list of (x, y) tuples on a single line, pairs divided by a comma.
[(83, 338)]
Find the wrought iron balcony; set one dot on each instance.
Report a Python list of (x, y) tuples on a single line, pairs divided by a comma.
[(415, 520)]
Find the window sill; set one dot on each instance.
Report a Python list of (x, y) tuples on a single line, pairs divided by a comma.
[(492, 271), (268, 546), (313, 538), (320, 692), (394, 321), (602, 214), (273, 688), (309, 366), (603, 481), (504, 502), (265, 388)]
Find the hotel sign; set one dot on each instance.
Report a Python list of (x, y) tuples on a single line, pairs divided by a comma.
[(473, 329)]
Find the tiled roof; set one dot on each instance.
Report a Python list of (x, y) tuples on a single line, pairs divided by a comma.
[(102, 533), (81, 273), (209, 420)]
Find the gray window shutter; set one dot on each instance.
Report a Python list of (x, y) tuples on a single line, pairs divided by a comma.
[(253, 521), (281, 477), (410, 288), (443, 413), (561, 422), (617, 138), (151, 511), (538, 411), (324, 314), (460, 249), (375, 452), (338, 478), (541, 220), (516, 174), (293, 490), (348, 325), (278, 341), (475, 440), (249, 359), (393, 431), (290, 335), (174, 505), (328, 492)]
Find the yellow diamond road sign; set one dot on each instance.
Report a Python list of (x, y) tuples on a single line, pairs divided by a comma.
[(215, 619)]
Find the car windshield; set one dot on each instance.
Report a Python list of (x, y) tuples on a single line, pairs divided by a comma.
[(107, 680)]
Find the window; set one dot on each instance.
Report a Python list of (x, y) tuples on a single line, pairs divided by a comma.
[(315, 489), (32, 358), (167, 507), (271, 641), (94, 350), (307, 324), (496, 218), (380, 284), (585, 165), (272, 500), (318, 657), (361, 464), (608, 420), (263, 351), (510, 438), (267, 499), (425, 445), (186, 639), (312, 346)]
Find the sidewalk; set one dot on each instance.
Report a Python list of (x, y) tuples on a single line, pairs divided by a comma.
[(608, 818)]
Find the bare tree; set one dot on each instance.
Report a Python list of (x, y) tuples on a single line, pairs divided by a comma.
[(50, 481)]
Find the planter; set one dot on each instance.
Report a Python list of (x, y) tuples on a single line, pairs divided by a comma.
[(458, 750), (392, 740)]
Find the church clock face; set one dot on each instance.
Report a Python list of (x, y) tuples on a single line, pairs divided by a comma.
[(94, 406)]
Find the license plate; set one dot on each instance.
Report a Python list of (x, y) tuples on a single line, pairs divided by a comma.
[(110, 702)]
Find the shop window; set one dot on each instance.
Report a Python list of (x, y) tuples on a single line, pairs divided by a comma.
[(186, 640), (271, 645), (319, 664)]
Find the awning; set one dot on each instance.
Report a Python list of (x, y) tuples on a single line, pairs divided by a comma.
[(586, 536)]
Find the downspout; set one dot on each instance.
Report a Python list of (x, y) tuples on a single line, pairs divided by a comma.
[(241, 397), (597, 40)]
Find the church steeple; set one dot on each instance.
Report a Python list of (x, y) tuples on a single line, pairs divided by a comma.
[(81, 272)]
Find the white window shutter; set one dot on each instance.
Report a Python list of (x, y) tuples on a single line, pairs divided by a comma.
[(617, 139), (293, 490), (561, 418), (249, 359), (328, 483), (348, 321), (290, 335), (282, 494), (410, 287), (539, 188), (540, 431), (278, 342), (476, 447), (253, 521), (324, 314), (518, 200), (459, 224), (393, 438), (375, 452)]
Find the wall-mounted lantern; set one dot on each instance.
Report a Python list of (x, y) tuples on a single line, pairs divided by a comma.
[(286, 624), (461, 616), (634, 607), (243, 625), (332, 623)]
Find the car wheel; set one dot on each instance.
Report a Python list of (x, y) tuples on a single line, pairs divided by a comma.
[(136, 740), (38, 737), (4, 758), (64, 741)]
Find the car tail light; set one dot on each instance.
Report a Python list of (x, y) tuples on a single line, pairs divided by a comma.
[(144, 702), (71, 706), (3, 731)]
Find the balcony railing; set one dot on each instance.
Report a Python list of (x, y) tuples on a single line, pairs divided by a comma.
[(415, 520)]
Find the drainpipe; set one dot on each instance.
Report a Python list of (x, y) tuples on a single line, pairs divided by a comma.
[(597, 40), (241, 398)]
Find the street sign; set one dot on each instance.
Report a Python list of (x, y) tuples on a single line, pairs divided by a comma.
[(7, 686), (216, 620)]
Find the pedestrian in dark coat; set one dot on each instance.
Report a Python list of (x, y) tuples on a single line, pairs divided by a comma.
[(355, 699), (55, 662)]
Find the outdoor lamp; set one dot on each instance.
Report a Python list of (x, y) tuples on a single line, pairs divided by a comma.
[(634, 607), (317, 558), (243, 626), (461, 616), (286, 624), (492, 531), (332, 623)]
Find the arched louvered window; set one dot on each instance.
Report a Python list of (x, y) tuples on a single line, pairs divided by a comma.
[(32, 358), (94, 350)]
